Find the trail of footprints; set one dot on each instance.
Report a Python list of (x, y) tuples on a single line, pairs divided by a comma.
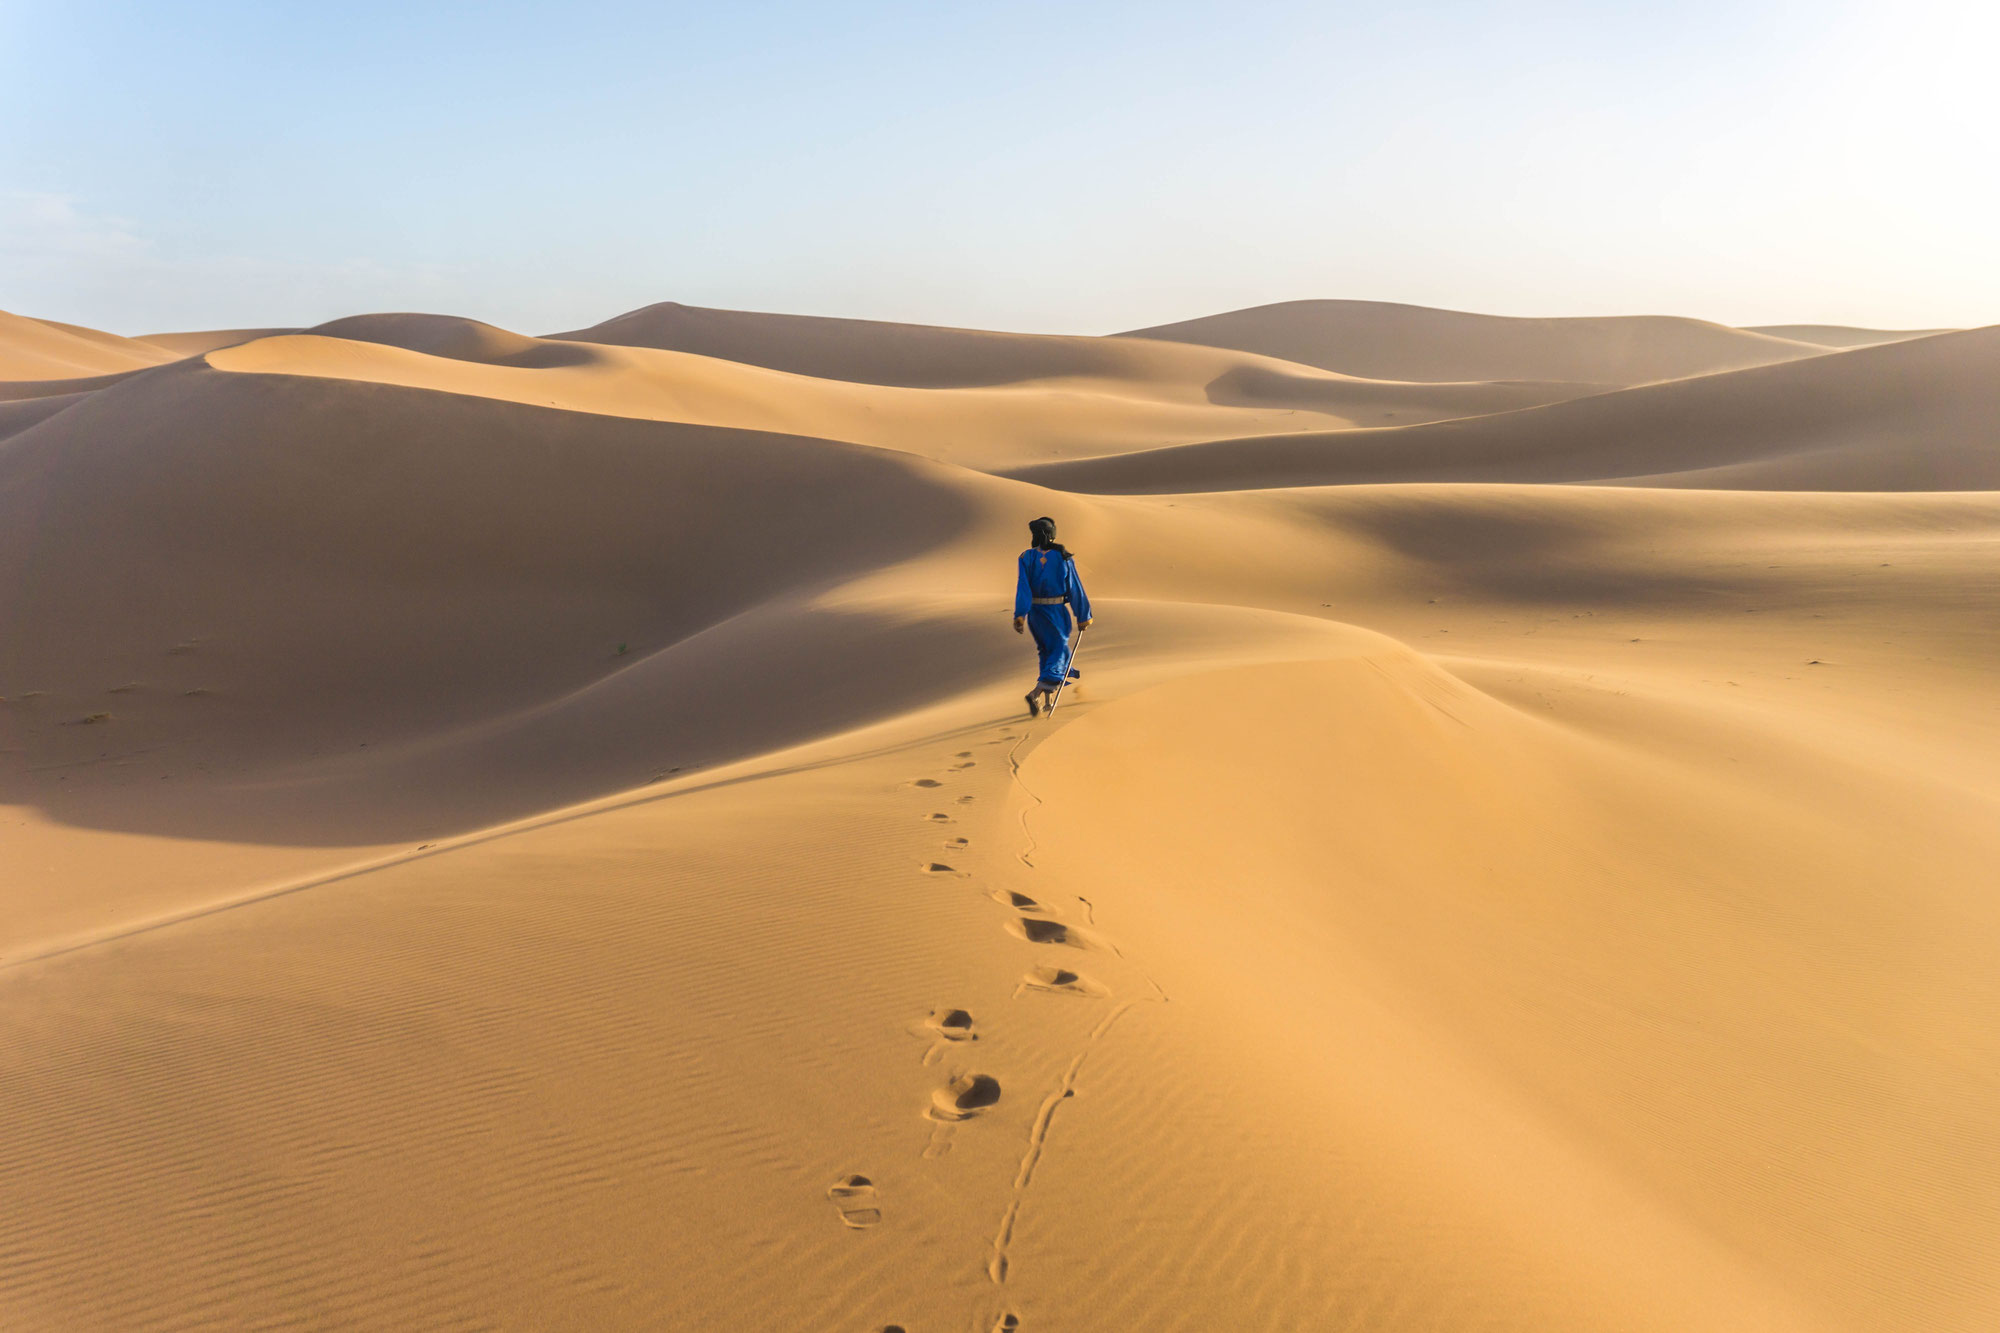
[(966, 1093)]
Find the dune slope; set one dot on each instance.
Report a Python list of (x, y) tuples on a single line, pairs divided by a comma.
[(40, 349), (1916, 415), (196, 342), (1135, 399), (320, 579), (1404, 342), (512, 832), (1841, 335), (916, 356)]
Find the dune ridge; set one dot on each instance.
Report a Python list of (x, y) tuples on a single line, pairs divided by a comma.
[(1914, 415), (511, 831), (197, 341), (40, 349), (1379, 340), (1841, 335), (1020, 411)]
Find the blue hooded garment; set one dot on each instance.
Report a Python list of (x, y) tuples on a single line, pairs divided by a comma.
[(1050, 574)]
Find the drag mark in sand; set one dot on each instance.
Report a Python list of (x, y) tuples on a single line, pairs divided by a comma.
[(1038, 1137), (1059, 980)]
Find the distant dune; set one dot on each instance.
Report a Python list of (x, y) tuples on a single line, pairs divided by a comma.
[(1922, 415), (545, 832), (1839, 335), (871, 352), (1029, 399), (207, 340), (40, 349), (1404, 342)]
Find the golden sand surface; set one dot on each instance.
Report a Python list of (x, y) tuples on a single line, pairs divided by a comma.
[(512, 832)]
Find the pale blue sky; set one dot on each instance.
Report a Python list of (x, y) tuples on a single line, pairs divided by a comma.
[(1068, 167)]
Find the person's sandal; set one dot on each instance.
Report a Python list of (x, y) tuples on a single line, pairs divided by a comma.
[(1034, 705)]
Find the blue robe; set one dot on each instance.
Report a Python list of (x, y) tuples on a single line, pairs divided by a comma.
[(1048, 574)]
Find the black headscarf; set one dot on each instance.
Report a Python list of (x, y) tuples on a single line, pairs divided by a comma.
[(1043, 533)]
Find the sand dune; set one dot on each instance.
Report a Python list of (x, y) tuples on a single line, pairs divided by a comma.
[(1917, 415), (527, 832), (1406, 342), (207, 340), (1135, 399), (916, 356), (904, 355), (40, 349), (1841, 335), (541, 540)]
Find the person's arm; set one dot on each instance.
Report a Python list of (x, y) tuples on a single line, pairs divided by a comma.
[(1078, 599), (1023, 599)]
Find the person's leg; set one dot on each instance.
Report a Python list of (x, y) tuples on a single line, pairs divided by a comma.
[(1051, 645), (1055, 663)]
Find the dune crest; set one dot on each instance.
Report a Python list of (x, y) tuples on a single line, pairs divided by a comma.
[(1379, 340), (1917, 415), (41, 349), (1841, 335), (195, 342)]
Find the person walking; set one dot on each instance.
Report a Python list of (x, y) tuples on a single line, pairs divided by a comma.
[(1047, 588)]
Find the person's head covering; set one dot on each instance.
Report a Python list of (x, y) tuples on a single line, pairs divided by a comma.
[(1043, 531)]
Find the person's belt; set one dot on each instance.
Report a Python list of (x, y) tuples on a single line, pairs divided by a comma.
[(1050, 601)]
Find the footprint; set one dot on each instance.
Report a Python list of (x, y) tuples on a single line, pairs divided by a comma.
[(940, 817), (1008, 1323), (927, 782), (1020, 902), (951, 1025), (1062, 981), (958, 844), (964, 1097), (960, 768), (963, 754), (963, 800), (940, 868), (855, 1197), (1040, 930), (946, 1028)]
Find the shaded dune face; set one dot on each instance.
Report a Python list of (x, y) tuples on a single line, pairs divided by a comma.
[(289, 567), (523, 832)]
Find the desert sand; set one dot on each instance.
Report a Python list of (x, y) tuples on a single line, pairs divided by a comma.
[(542, 832)]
